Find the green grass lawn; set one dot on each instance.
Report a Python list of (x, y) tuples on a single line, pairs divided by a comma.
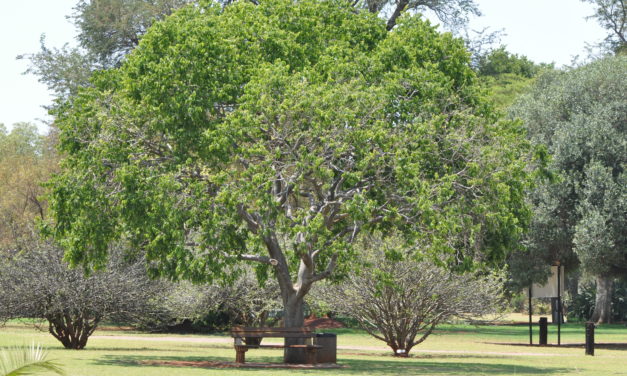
[(451, 350)]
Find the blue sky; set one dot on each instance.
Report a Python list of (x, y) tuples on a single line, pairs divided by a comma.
[(543, 30)]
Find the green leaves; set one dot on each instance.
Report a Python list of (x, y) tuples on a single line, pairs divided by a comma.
[(287, 129), (27, 361), (580, 116)]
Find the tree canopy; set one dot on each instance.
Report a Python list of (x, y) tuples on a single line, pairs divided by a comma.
[(580, 116), (108, 30), (279, 133)]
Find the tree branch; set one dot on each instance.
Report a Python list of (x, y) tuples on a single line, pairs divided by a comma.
[(327, 272), (400, 6), (257, 258)]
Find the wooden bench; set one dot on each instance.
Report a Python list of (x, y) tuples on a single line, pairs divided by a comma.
[(249, 338)]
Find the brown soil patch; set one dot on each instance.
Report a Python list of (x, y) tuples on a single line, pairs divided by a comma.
[(209, 364), (116, 328), (323, 323)]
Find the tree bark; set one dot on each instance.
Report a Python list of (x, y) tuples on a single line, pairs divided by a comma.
[(72, 331), (400, 6), (293, 293), (603, 306), (294, 318)]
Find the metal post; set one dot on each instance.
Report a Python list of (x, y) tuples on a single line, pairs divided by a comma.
[(530, 330), (544, 330), (590, 338), (559, 304)]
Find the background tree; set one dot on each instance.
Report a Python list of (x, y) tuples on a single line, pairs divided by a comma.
[(26, 160), (506, 75), (581, 115), (612, 15), (37, 283), (34, 281), (219, 305), (107, 31), (400, 301), (110, 29), (452, 13)]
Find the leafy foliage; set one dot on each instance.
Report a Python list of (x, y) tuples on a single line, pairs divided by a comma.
[(26, 361), (26, 160), (110, 29), (279, 133), (580, 116), (506, 75), (581, 307)]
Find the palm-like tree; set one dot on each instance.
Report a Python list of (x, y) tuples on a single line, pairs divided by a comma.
[(30, 360)]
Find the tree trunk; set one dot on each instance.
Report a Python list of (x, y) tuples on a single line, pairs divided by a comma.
[(72, 331), (294, 318), (603, 306), (293, 293)]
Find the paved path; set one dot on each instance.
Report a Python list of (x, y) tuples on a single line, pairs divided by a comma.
[(229, 341)]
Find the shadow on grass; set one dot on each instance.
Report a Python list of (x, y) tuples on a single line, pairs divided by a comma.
[(128, 349), (416, 366), (413, 366), (140, 360)]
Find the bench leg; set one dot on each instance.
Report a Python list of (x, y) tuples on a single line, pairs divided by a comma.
[(240, 354)]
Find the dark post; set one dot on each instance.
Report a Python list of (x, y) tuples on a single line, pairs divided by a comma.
[(554, 309), (543, 323), (559, 304), (590, 338), (530, 331)]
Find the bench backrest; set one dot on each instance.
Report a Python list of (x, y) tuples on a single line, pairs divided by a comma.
[(299, 332)]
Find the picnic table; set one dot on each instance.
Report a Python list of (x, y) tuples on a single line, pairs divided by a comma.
[(250, 338)]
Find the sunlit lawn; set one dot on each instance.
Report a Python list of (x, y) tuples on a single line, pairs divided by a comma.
[(452, 350)]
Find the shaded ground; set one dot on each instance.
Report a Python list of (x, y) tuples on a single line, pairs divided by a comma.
[(227, 340), (208, 364)]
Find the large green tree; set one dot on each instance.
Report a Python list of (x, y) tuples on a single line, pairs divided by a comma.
[(581, 115), (110, 29), (278, 133)]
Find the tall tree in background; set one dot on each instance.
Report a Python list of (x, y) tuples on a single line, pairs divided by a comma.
[(277, 134), (35, 282), (581, 116), (26, 160), (110, 29), (452, 13), (107, 31), (612, 15)]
